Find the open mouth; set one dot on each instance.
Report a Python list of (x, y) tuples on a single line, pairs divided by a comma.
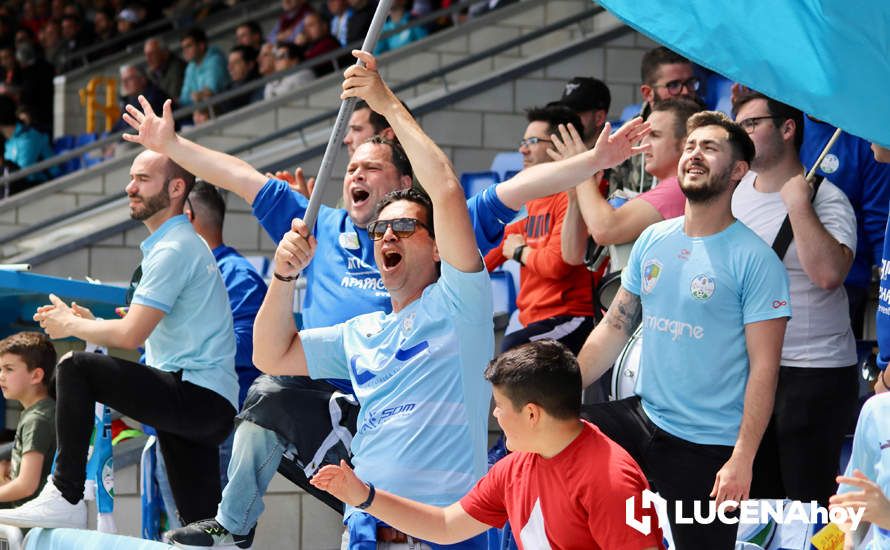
[(391, 259), (696, 170), (359, 195)]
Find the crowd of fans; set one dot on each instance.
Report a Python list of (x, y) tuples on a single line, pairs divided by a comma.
[(739, 275)]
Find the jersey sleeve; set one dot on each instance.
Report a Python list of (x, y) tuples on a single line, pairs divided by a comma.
[(486, 500), (37, 434), (162, 278), (630, 275), (489, 216), (276, 205), (765, 294), (467, 294), (864, 456), (834, 210), (325, 355)]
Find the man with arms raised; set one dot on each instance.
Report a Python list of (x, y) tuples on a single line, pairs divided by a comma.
[(713, 301), (564, 485)]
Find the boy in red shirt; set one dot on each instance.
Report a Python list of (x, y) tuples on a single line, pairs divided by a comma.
[(565, 486)]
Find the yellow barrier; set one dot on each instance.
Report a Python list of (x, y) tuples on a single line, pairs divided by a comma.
[(109, 109)]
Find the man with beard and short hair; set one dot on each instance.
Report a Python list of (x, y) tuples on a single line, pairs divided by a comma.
[(819, 354), (345, 283), (187, 389), (713, 299)]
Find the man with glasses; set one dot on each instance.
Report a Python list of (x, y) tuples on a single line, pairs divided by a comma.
[(187, 389), (665, 74), (799, 454), (555, 298), (344, 282)]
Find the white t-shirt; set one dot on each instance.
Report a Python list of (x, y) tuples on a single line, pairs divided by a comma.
[(819, 333)]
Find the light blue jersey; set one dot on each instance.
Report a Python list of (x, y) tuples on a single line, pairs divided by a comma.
[(180, 277), (418, 375), (871, 455), (698, 294)]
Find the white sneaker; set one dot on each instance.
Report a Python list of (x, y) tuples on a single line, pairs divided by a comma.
[(48, 509)]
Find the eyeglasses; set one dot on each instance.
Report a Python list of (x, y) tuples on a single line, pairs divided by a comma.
[(401, 227), (674, 87), (750, 123), (533, 140)]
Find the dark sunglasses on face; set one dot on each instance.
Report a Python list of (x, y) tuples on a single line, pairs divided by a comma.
[(401, 227), (674, 87)]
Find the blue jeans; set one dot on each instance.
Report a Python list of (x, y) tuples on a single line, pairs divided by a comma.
[(256, 454)]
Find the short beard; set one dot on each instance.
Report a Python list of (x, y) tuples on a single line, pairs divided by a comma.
[(151, 206), (715, 187)]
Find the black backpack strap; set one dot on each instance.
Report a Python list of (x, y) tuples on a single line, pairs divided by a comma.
[(784, 236)]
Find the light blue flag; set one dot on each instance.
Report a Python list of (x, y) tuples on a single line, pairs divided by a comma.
[(829, 58)]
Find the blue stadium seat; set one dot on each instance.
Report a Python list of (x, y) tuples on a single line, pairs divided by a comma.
[(61, 145), (91, 158), (503, 291), (506, 162), (474, 182)]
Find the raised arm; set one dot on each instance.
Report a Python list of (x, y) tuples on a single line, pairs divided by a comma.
[(764, 342), (605, 342), (552, 177), (451, 220), (277, 348), (610, 225), (447, 525), (158, 134)]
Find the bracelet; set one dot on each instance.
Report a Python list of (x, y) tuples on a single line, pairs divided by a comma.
[(517, 254), (285, 279), (364, 505)]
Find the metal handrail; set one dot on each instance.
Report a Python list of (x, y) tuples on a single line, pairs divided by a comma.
[(179, 114)]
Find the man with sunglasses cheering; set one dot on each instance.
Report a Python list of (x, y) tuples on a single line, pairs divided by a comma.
[(187, 389)]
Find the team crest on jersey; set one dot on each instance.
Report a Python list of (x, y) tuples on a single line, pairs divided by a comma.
[(349, 240), (703, 287), (830, 164), (651, 273)]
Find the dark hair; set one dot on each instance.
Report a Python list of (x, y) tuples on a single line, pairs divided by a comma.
[(654, 59), (416, 196), (742, 146), (293, 51), (397, 155), (175, 171), (248, 53), (776, 109), (378, 121), (35, 350), (253, 26), (71, 17), (682, 108), (555, 114), (7, 111), (210, 201), (195, 33), (543, 372)]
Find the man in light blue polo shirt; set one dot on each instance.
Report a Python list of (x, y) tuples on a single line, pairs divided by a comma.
[(189, 393), (713, 301)]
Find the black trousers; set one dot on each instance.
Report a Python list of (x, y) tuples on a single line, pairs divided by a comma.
[(191, 422), (678, 470), (799, 454), (570, 331)]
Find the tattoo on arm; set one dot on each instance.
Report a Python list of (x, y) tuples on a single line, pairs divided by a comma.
[(625, 313)]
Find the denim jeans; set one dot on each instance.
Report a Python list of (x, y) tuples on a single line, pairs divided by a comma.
[(256, 454)]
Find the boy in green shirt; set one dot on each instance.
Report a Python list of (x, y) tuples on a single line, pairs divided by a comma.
[(27, 360)]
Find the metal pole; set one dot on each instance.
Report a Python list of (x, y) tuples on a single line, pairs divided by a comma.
[(346, 108)]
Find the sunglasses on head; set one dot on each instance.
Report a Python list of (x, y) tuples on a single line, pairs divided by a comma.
[(401, 227)]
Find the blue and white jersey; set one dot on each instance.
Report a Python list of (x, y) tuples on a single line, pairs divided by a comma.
[(180, 278), (698, 293), (871, 455), (418, 376)]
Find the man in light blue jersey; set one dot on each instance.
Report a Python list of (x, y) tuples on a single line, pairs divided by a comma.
[(713, 301), (344, 282)]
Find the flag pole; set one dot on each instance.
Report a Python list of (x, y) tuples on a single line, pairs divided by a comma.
[(828, 146), (339, 130)]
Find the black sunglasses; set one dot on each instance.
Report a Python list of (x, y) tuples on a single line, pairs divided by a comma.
[(401, 227)]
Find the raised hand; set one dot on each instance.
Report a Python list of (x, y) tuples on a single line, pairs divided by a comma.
[(295, 250), (296, 181), (365, 83), (341, 482), (154, 132), (567, 144), (613, 149)]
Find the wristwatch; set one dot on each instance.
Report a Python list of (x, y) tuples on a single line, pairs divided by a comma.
[(370, 498), (517, 253)]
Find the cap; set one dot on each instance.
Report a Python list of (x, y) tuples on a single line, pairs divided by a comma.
[(586, 94)]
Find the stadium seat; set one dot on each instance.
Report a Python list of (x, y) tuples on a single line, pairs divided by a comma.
[(505, 163), (474, 182), (61, 145), (503, 291)]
